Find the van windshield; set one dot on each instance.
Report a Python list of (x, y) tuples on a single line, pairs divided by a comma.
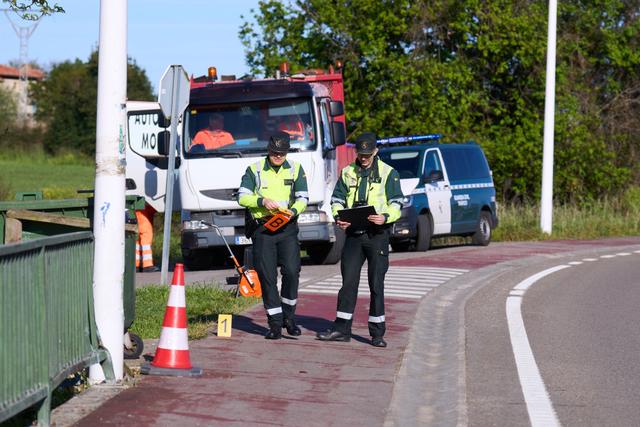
[(243, 129), (405, 162)]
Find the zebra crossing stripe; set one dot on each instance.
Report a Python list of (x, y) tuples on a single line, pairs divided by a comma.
[(363, 294), (403, 282)]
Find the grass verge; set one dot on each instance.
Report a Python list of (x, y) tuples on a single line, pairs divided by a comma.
[(605, 218), (58, 177), (204, 303)]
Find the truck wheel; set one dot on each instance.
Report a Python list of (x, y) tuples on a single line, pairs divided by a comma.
[(328, 253), (423, 239), (137, 346), (197, 259), (482, 236)]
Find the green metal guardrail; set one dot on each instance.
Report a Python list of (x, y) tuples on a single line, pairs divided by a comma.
[(79, 213), (47, 325)]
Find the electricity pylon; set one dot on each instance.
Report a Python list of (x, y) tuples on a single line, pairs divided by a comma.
[(23, 33)]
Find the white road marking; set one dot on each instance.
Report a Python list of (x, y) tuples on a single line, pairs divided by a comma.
[(539, 406), (400, 282)]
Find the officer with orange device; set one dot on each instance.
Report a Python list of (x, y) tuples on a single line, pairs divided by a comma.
[(275, 192)]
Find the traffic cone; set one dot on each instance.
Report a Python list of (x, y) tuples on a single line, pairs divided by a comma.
[(172, 354)]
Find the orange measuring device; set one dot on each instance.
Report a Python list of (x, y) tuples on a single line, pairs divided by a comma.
[(280, 218), (248, 282)]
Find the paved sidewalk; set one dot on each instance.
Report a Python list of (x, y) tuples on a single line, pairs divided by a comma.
[(248, 380)]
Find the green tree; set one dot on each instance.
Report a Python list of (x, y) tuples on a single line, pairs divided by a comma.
[(33, 9), (67, 102), (476, 70), (7, 108)]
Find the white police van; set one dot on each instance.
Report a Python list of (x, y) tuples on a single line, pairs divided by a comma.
[(448, 191)]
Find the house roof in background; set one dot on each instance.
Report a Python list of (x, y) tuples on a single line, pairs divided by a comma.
[(13, 73)]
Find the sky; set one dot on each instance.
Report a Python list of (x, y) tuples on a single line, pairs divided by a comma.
[(194, 33)]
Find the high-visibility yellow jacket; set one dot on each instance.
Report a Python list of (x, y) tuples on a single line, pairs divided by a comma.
[(287, 185), (378, 186)]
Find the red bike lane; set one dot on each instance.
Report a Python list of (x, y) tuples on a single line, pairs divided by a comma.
[(248, 380)]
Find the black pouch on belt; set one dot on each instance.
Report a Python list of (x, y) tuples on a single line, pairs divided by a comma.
[(250, 224)]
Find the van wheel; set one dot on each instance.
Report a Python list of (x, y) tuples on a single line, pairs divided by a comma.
[(423, 240), (482, 236)]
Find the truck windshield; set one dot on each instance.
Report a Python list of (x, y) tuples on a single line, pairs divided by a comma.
[(405, 162), (246, 128)]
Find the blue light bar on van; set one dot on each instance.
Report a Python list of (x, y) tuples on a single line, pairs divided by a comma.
[(411, 138)]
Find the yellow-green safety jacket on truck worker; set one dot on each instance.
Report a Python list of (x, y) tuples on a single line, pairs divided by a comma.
[(286, 184), (378, 186)]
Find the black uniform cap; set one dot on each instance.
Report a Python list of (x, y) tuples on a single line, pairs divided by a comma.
[(279, 143), (366, 143)]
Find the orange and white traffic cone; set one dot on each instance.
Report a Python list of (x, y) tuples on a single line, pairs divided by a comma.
[(172, 354)]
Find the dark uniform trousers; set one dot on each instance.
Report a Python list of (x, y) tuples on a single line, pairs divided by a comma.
[(373, 247), (271, 250)]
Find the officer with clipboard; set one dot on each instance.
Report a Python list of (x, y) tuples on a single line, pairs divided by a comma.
[(367, 182)]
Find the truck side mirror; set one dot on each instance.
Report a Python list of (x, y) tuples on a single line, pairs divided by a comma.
[(338, 133), (164, 139), (130, 184), (433, 176), (336, 108), (163, 121)]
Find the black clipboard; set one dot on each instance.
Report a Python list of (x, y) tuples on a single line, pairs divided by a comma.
[(357, 216)]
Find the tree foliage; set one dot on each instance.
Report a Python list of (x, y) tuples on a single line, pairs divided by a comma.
[(67, 102), (33, 9), (473, 69)]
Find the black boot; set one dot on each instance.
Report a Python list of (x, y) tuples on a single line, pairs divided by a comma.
[(378, 342), (333, 335), (274, 333), (292, 328)]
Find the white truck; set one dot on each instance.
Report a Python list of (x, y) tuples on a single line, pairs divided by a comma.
[(207, 178)]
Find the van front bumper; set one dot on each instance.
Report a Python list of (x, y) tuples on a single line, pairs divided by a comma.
[(405, 228)]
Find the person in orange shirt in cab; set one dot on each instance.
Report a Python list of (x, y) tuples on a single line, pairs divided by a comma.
[(293, 126), (214, 136)]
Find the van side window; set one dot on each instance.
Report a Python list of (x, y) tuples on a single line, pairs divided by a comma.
[(432, 162), (466, 163)]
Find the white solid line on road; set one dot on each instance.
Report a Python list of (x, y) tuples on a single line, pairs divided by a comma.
[(539, 406)]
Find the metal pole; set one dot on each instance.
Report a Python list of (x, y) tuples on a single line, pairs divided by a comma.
[(168, 201), (546, 202), (109, 204)]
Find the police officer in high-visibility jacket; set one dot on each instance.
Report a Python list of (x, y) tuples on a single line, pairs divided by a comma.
[(271, 184), (368, 181)]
